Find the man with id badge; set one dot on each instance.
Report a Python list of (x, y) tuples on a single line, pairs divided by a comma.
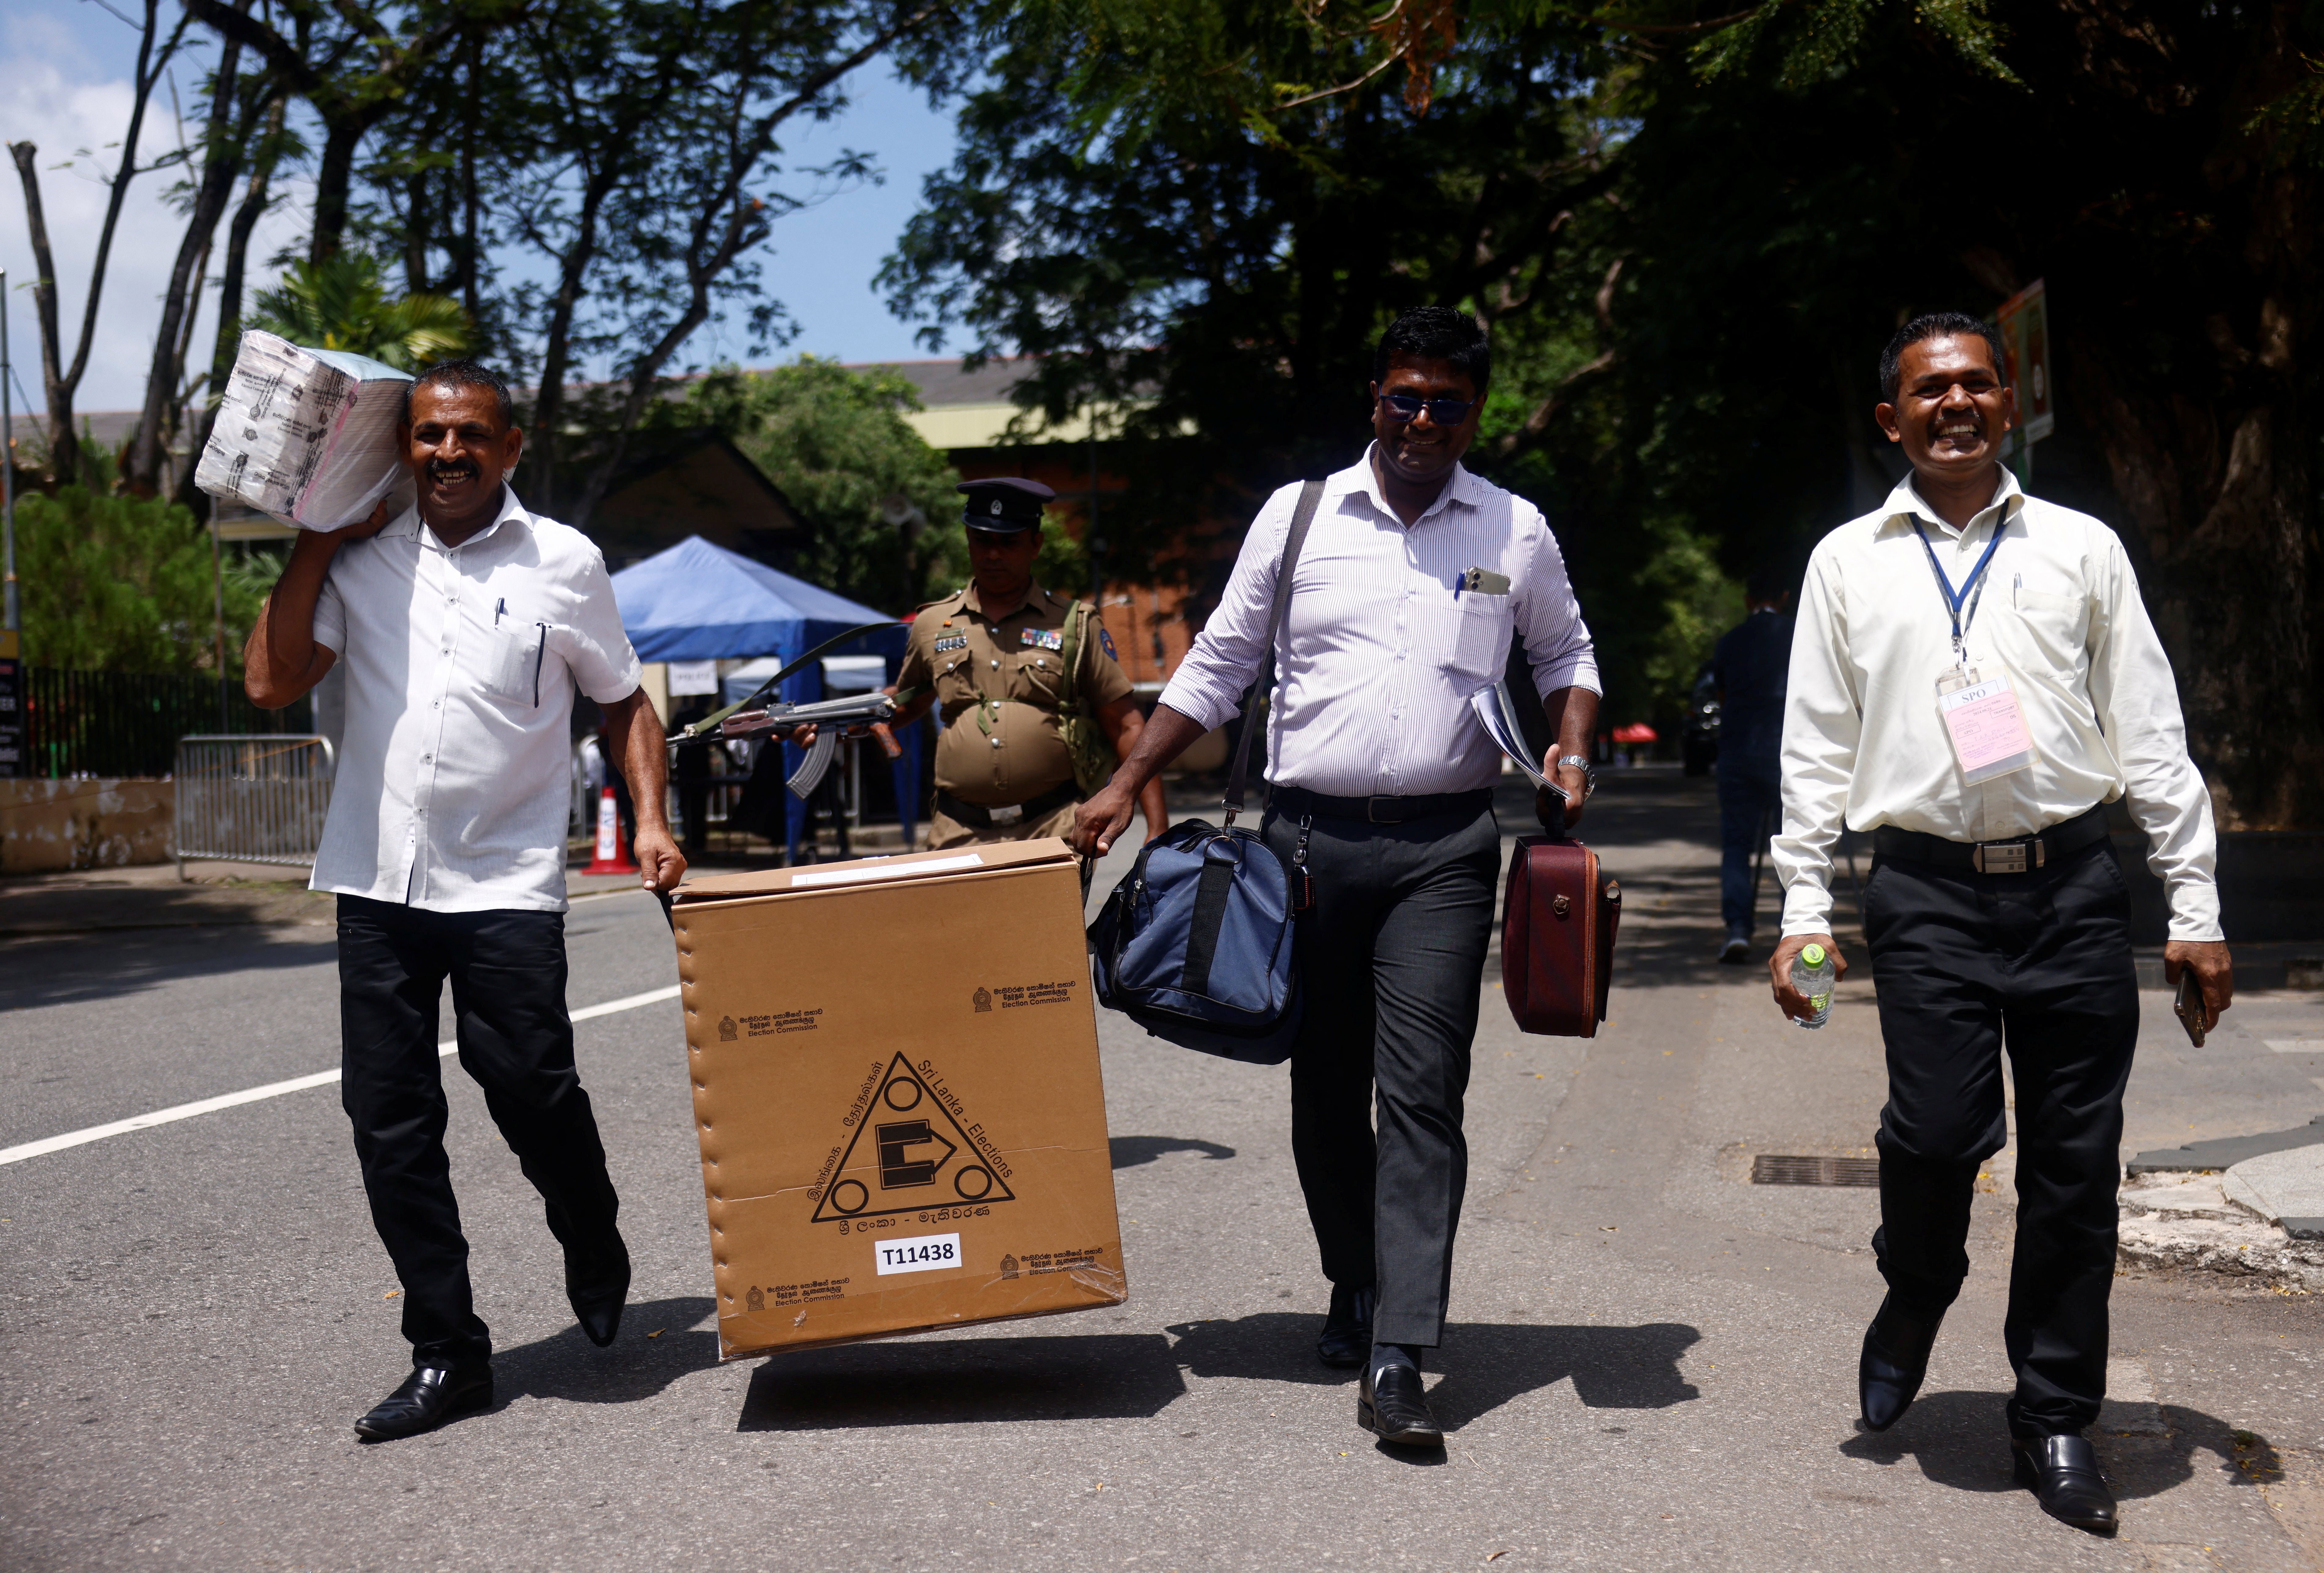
[(1973, 678), (1406, 587), (464, 624)]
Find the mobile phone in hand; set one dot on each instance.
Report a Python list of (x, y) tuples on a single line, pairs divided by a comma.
[(2189, 1006)]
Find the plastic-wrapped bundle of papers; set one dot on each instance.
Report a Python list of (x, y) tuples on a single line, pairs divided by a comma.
[(308, 435)]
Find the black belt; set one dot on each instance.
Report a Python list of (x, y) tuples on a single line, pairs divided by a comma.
[(2022, 856), (1297, 801), (976, 818)]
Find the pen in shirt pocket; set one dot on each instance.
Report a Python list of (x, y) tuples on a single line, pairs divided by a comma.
[(499, 611)]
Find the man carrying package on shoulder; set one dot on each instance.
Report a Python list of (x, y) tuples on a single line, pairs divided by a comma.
[(1973, 677), (1413, 575), (464, 623)]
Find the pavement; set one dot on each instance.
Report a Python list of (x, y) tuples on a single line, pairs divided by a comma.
[(1650, 1364)]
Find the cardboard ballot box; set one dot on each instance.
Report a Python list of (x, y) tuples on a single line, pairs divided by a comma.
[(895, 1088)]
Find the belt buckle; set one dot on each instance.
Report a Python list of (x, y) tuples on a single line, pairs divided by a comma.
[(1008, 816), (1372, 813), (2009, 857)]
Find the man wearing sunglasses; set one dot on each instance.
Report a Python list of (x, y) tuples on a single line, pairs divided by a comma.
[(1414, 577)]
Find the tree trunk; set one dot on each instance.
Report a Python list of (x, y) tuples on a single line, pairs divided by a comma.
[(255, 200), (222, 157), (548, 415), (743, 228), (64, 447), (334, 173), (62, 381)]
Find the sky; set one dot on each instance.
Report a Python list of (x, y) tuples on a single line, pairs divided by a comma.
[(68, 88)]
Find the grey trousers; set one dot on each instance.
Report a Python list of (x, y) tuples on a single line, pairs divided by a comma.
[(1390, 960)]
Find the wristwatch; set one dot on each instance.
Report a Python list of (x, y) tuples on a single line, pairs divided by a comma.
[(1589, 773)]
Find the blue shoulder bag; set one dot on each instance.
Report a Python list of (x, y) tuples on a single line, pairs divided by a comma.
[(1195, 944)]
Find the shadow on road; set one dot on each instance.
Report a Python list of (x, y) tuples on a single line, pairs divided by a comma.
[(1486, 1364), (568, 1365), (1961, 1439), (72, 970), (1129, 1152), (961, 1381)]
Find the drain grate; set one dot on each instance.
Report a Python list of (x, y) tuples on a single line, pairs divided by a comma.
[(1779, 1169)]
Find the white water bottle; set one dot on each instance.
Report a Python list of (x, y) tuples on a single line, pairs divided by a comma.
[(1812, 975)]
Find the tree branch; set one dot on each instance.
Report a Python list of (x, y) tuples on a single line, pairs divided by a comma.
[(288, 63)]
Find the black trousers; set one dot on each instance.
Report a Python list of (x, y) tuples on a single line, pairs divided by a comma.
[(1391, 963), (2040, 961), (507, 970)]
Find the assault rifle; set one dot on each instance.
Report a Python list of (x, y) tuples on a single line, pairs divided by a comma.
[(827, 719)]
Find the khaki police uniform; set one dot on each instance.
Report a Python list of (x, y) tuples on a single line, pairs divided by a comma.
[(997, 687)]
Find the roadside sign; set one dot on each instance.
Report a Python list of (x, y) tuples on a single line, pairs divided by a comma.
[(15, 760), (2024, 323)]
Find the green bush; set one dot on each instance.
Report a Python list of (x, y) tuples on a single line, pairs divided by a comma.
[(128, 585)]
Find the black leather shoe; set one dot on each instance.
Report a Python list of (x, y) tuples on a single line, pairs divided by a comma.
[(597, 1283), (1396, 1409), (2064, 1472), (428, 1397), (1896, 1359), (1347, 1337)]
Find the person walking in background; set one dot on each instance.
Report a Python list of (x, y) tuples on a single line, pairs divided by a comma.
[(464, 623), (1414, 577), (1749, 666), (1973, 677)]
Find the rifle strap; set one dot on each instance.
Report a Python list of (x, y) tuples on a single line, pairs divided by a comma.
[(1068, 692), (1311, 496)]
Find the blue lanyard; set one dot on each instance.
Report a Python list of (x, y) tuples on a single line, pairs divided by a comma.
[(1972, 590)]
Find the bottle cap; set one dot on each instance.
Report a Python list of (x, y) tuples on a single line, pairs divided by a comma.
[(1813, 955)]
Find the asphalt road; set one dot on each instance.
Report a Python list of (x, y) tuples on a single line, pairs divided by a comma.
[(1651, 1364)]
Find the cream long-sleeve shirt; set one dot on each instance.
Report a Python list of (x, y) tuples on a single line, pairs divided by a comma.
[(2060, 614)]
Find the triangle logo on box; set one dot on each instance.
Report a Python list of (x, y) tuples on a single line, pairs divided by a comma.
[(918, 1157)]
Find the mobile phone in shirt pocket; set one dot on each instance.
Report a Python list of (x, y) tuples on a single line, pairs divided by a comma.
[(1473, 634), (514, 655)]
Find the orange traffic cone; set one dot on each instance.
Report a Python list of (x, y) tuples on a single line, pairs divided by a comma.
[(611, 858)]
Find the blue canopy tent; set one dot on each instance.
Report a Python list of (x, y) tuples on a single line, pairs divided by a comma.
[(698, 602)]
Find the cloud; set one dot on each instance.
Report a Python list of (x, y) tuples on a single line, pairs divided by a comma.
[(57, 98)]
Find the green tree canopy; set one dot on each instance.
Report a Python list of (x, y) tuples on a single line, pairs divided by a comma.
[(838, 443), (121, 583), (342, 303), (1689, 229)]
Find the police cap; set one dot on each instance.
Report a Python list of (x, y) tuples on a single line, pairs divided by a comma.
[(1004, 504)]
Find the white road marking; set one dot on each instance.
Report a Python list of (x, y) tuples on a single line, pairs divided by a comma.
[(98, 1133)]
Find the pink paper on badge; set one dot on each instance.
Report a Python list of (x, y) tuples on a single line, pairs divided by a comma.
[(1988, 729)]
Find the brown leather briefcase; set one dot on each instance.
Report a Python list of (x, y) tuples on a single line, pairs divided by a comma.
[(1557, 938)]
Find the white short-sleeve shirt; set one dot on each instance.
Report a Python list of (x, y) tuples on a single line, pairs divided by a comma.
[(454, 781)]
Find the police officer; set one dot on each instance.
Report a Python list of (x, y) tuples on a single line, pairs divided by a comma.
[(992, 658)]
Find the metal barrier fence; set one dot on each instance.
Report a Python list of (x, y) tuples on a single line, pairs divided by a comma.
[(128, 724), (252, 797)]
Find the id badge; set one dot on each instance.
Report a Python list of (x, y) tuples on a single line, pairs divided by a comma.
[(1984, 723)]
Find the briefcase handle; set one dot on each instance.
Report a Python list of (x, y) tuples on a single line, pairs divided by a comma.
[(1550, 809)]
